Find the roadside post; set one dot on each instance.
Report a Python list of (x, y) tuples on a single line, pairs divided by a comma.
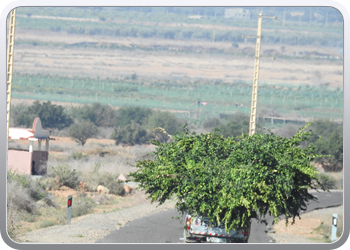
[(69, 208), (334, 227)]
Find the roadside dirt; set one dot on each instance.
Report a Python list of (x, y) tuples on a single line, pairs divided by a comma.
[(311, 228)]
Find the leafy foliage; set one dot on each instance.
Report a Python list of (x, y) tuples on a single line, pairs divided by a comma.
[(331, 144), (127, 114), (165, 120), (51, 115), (100, 115), (66, 176), (231, 179), (82, 131), (211, 122), (131, 134), (236, 126)]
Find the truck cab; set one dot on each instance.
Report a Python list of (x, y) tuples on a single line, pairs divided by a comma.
[(198, 229)]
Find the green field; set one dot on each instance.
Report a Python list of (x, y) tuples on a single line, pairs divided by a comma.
[(221, 97)]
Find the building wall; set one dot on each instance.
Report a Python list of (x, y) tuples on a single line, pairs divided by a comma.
[(21, 161)]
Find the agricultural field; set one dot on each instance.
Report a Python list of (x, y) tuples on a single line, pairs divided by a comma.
[(171, 62)]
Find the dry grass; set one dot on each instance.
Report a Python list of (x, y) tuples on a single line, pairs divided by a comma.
[(166, 64)]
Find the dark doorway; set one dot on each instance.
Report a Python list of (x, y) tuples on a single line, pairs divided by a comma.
[(33, 168)]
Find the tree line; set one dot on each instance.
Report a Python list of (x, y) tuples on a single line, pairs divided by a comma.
[(135, 125)]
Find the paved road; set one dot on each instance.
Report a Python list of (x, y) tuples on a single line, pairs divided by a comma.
[(161, 228)]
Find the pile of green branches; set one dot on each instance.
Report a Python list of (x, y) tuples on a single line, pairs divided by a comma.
[(232, 179)]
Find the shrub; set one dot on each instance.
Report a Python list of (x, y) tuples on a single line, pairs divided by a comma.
[(13, 225), (67, 176), (131, 134), (326, 180), (101, 199), (331, 143), (211, 122), (235, 126), (82, 131), (100, 115), (19, 198), (50, 183), (32, 187), (127, 114), (78, 156), (110, 181), (51, 116), (82, 206), (165, 120), (95, 178)]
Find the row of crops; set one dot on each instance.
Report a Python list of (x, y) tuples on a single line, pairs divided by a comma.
[(220, 97)]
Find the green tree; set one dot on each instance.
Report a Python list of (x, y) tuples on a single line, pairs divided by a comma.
[(331, 143), (211, 122), (100, 115), (166, 120), (80, 132), (231, 179), (127, 114), (131, 134), (51, 115), (235, 126)]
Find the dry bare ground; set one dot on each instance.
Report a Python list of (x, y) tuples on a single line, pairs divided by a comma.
[(167, 64), (308, 229)]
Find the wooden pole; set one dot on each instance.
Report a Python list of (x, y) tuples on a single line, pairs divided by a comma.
[(255, 81), (9, 69)]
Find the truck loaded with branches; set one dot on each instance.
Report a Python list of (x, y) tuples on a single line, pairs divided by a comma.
[(231, 181)]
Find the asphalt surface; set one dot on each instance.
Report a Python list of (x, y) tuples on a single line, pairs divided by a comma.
[(161, 228)]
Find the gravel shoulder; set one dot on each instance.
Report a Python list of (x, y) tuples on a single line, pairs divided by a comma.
[(304, 229), (92, 227)]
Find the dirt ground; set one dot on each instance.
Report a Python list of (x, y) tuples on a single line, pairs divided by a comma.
[(308, 229), (169, 64)]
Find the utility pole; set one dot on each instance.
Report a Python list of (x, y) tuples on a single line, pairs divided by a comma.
[(252, 122), (9, 69)]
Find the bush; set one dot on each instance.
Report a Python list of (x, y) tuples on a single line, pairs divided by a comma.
[(78, 156), (331, 143), (235, 126), (127, 114), (82, 131), (12, 219), (82, 206), (326, 180), (100, 115), (165, 120), (33, 188), (131, 134), (51, 116), (19, 198), (101, 199), (95, 178), (67, 176), (211, 122), (50, 183)]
